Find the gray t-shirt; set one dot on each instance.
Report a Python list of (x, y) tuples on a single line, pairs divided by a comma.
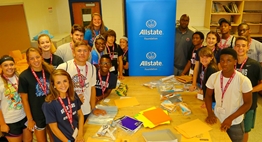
[(255, 50), (182, 47), (65, 52)]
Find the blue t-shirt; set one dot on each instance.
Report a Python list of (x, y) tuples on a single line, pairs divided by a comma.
[(111, 83), (54, 113), (88, 36), (95, 57)]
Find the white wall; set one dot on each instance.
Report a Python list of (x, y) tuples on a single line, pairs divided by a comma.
[(58, 21)]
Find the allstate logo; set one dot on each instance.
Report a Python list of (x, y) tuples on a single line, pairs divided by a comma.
[(151, 23), (151, 55)]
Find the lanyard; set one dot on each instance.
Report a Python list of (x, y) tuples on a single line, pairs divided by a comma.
[(221, 85), (44, 88), (125, 53), (111, 56), (13, 84), (81, 80), (224, 45), (68, 114), (105, 85), (243, 63)]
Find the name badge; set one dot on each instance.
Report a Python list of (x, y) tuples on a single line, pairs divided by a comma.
[(112, 69), (75, 133), (191, 72), (221, 110)]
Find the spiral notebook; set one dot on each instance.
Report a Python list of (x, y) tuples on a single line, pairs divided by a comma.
[(130, 124)]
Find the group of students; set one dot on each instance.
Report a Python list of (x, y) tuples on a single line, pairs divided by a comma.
[(61, 88), (227, 71)]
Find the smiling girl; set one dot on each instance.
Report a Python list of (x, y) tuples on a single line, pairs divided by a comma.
[(62, 109), (45, 44), (212, 39), (12, 115), (33, 88)]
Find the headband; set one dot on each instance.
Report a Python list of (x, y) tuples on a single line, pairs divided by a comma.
[(6, 58), (125, 38)]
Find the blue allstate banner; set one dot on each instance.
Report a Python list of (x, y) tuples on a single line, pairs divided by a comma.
[(151, 37)]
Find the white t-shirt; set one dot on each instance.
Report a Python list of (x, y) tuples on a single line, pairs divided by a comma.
[(65, 52), (228, 41), (90, 81), (233, 98), (11, 103)]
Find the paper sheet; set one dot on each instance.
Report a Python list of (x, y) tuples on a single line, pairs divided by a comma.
[(146, 122), (161, 116), (187, 131), (127, 102)]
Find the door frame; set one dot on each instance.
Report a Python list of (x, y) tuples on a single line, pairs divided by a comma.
[(71, 8)]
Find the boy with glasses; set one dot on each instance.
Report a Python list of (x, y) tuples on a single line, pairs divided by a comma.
[(105, 80), (255, 47)]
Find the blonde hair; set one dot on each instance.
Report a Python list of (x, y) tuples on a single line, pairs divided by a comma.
[(54, 93), (46, 66), (91, 25)]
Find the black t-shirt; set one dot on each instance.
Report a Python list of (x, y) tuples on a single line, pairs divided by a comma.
[(36, 96), (125, 60), (216, 54), (207, 73), (55, 113), (252, 70), (56, 60), (111, 82), (192, 55), (114, 54)]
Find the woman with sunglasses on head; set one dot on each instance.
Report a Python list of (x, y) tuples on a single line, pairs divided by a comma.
[(62, 109), (12, 115), (95, 28), (45, 44), (33, 88), (98, 50)]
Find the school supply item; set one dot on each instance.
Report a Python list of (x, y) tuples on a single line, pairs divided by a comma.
[(168, 105), (111, 112), (122, 90), (187, 131), (146, 122), (126, 102), (184, 78), (161, 116), (185, 110), (106, 131), (128, 124), (160, 136)]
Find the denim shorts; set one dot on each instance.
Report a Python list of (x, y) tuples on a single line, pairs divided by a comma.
[(236, 132)]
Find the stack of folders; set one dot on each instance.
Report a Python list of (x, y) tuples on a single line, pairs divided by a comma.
[(149, 119), (129, 124)]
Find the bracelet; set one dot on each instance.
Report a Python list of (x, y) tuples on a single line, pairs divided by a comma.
[(68, 141), (93, 109)]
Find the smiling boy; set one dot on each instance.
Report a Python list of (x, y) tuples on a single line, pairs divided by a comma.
[(105, 80), (232, 94), (251, 69)]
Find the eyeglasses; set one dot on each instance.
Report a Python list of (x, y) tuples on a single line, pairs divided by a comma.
[(105, 63), (242, 30)]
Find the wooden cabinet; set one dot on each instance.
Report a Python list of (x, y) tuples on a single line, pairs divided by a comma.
[(249, 11)]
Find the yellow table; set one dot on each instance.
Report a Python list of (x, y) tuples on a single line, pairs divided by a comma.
[(150, 97)]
